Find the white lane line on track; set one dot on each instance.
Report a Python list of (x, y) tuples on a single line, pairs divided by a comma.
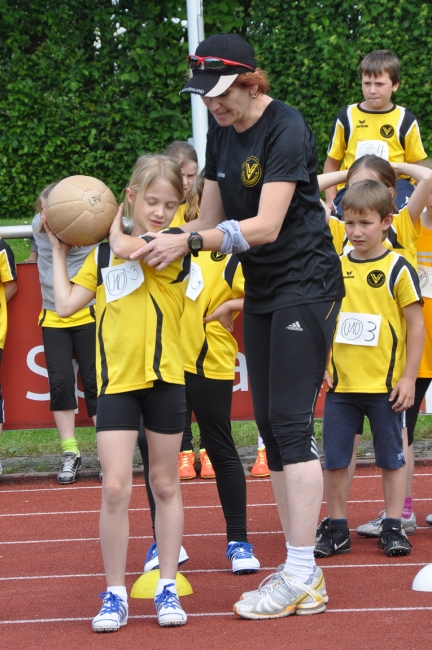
[(85, 512), (193, 571), (354, 610), (141, 485), (96, 539), (217, 506)]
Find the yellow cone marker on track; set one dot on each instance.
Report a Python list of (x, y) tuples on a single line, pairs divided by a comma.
[(145, 586)]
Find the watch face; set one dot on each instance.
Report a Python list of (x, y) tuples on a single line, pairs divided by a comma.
[(195, 242)]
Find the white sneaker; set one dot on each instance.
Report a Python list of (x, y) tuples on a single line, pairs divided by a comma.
[(285, 596), (169, 610), (242, 558), (113, 614), (373, 528), (152, 558)]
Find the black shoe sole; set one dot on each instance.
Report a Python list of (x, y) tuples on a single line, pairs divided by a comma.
[(395, 552), (324, 554)]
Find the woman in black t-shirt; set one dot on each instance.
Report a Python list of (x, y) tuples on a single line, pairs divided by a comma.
[(261, 201)]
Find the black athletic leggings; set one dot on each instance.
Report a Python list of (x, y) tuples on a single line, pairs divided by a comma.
[(210, 400), (286, 354), (421, 386)]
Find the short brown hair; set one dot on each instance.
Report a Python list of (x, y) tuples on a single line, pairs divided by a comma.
[(364, 196), (381, 61), (257, 78), (381, 167)]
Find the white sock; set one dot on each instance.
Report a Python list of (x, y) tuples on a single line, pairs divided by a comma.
[(260, 442), (300, 562), (164, 582), (119, 591)]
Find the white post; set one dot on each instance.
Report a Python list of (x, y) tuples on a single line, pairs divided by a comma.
[(195, 21)]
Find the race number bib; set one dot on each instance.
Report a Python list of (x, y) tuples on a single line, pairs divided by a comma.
[(358, 329), (196, 282), (121, 280), (375, 147), (425, 277)]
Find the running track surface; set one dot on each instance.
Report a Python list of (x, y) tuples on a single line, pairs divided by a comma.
[(51, 573)]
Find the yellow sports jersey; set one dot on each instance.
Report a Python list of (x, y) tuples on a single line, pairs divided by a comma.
[(48, 318), (424, 257), (402, 236), (393, 135), (179, 217), (368, 353), (209, 349), (7, 274), (138, 311)]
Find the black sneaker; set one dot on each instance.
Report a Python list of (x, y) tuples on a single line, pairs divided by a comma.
[(323, 525), (69, 467), (331, 542), (394, 542)]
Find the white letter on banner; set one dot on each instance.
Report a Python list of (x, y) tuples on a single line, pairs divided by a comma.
[(242, 369), (38, 370)]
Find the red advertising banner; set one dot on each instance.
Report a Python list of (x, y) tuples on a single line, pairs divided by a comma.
[(24, 375)]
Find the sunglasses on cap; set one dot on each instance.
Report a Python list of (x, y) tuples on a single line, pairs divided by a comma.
[(212, 63)]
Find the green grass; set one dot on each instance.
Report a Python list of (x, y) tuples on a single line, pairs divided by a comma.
[(39, 442), (20, 247)]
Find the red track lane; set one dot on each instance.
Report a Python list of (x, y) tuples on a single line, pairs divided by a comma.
[(370, 594)]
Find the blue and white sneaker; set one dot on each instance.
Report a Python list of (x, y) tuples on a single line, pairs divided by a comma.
[(152, 559), (113, 614), (168, 608), (242, 557)]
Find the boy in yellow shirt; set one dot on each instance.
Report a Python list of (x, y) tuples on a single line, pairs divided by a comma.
[(375, 126), (374, 361)]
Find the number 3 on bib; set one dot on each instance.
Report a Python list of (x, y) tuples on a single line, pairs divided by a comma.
[(358, 329)]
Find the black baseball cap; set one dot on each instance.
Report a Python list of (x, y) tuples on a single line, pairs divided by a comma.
[(211, 83)]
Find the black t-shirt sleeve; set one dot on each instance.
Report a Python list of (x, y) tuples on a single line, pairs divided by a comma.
[(288, 151)]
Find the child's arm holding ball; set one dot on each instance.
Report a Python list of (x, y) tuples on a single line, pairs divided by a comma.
[(69, 298)]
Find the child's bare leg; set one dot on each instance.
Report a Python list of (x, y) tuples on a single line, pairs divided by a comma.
[(394, 485), (65, 423), (115, 449), (165, 485), (352, 465), (336, 486)]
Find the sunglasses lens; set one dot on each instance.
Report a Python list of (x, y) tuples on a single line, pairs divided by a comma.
[(214, 64), (193, 62), (209, 63)]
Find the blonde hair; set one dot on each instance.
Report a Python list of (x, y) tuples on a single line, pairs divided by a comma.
[(151, 168), (43, 195), (184, 153), (364, 196)]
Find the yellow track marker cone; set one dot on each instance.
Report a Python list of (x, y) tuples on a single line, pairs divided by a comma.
[(145, 585)]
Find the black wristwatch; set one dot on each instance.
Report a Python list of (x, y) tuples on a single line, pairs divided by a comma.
[(195, 243)]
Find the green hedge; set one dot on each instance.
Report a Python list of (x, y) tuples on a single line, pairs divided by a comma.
[(80, 95), (312, 51)]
